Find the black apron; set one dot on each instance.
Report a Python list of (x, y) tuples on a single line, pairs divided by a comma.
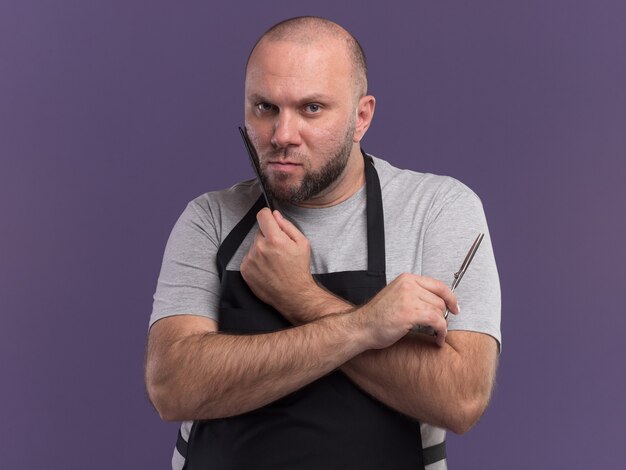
[(328, 424)]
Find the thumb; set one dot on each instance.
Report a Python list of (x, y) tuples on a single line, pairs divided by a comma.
[(286, 226)]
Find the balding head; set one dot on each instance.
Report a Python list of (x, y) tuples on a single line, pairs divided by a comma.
[(307, 30), (306, 110)]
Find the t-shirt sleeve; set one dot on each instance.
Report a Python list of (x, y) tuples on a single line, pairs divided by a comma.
[(453, 226), (189, 282)]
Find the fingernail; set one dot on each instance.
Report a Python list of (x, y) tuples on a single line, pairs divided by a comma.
[(458, 308), (280, 216)]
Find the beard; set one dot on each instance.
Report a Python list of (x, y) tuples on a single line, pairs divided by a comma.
[(313, 182)]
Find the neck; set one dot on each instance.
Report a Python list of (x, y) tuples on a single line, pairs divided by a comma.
[(349, 182)]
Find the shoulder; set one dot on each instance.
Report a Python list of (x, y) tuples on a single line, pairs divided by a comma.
[(398, 179), (424, 192), (222, 209)]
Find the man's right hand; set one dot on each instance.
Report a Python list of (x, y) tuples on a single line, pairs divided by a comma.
[(408, 301)]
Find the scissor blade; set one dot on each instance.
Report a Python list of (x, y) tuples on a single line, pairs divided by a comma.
[(466, 262), (468, 258)]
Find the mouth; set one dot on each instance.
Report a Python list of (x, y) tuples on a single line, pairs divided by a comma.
[(282, 165)]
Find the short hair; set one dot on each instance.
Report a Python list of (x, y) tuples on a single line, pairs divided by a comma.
[(307, 29)]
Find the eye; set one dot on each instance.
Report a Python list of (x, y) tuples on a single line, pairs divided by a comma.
[(313, 108), (264, 107)]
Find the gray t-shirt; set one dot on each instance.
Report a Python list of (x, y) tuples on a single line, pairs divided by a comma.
[(430, 223)]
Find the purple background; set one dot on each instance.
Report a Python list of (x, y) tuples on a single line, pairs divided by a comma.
[(114, 114)]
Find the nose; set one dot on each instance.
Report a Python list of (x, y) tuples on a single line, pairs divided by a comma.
[(286, 130)]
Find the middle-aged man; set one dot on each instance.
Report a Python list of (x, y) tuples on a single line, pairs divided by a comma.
[(283, 340)]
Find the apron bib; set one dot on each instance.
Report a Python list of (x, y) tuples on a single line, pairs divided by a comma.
[(328, 424)]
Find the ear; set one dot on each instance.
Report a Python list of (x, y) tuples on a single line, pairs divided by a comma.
[(364, 116)]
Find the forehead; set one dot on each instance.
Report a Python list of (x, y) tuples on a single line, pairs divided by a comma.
[(289, 69)]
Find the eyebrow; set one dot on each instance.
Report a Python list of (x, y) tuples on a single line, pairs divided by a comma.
[(312, 98)]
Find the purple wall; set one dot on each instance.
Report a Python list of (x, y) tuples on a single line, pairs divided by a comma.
[(114, 114)]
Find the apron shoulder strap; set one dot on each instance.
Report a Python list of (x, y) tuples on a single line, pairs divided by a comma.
[(375, 220), (236, 236)]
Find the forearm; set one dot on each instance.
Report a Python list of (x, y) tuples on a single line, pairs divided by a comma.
[(213, 375), (442, 386), (447, 386)]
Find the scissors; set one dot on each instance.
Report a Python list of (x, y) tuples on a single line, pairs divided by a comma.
[(466, 262)]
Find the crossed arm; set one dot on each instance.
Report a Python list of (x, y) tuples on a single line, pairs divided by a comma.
[(192, 372)]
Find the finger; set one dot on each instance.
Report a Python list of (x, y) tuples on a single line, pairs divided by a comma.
[(439, 326), (267, 224), (433, 300), (453, 304), (431, 317), (286, 226), (440, 337), (258, 240), (245, 267), (441, 290)]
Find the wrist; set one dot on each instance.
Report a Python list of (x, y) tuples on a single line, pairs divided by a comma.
[(352, 331), (311, 303), (321, 302)]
